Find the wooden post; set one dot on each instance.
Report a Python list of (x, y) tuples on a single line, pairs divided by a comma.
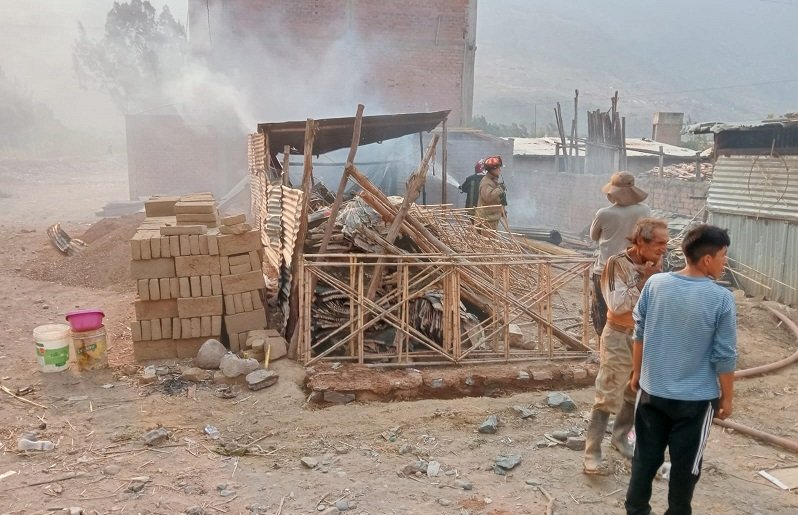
[(339, 195), (421, 154), (661, 160), (286, 164), (576, 130), (444, 161), (698, 166), (625, 165)]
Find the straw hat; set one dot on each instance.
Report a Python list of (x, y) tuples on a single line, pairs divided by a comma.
[(623, 190)]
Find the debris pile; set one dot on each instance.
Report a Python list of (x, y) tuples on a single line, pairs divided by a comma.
[(680, 171), (197, 276)]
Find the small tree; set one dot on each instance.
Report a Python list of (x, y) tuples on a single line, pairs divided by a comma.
[(137, 55)]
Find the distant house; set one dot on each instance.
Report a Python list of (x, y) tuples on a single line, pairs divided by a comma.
[(532, 155), (754, 193)]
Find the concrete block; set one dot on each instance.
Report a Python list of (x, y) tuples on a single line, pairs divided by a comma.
[(165, 250), (185, 245), (196, 286), (160, 206), (195, 327), (229, 305), (155, 247), (155, 290), (166, 328), (240, 269), (185, 286), (135, 248), (151, 309), (174, 245), (257, 303), (238, 259), (205, 285), (183, 230), (135, 330), (155, 329), (216, 265), (163, 285), (203, 244), (152, 268), (146, 333), (197, 218), (254, 260), (216, 325), (239, 243), (205, 326), (146, 247), (235, 229), (238, 303), (193, 241), (234, 219), (246, 297), (187, 206), (185, 328), (213, 245), (216, 284), (224, 265), (149, 350), (143, 289), (186, 266), (243, 282), (176, 328), (242, 322), (199, 306), (174, 287)]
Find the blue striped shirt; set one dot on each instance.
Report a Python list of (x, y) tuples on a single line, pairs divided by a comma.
[(688, 328)]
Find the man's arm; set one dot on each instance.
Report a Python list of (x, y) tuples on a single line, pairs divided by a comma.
[(637, 364), (595, 228), (726, 395), (724, 355)]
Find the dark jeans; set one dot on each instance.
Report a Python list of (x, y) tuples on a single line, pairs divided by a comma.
[(682, 427), (598, 307)]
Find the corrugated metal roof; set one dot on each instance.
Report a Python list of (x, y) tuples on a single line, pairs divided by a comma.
[(543, 147), (715, 127), (757, 186), (763, 253), (336, 133)]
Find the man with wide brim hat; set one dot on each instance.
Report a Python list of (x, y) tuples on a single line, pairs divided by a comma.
[(611, 227)]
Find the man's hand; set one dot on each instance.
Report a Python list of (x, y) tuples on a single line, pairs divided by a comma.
[(634, 382), (725, 408)]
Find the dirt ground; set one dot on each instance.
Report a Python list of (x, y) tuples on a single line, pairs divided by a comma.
[(97, 419)]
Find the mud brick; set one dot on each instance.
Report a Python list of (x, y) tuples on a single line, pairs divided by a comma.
[(238, 303), (256, 302), (241, 322), (186, 266), (146, 333), (155, 329), (185, 245), (238, 259), (255, 260), (234, 219), (194, 244), (189, 348), (187, 206), (240, 269), (165, 250), (161, 349), (183, 230), (160, 206), (196, 286), (235, 229), (216, 284), (200, 306), (146, 247), (235, 346), (213, 245), (152, 268), (216, 265), (203, 243), (242, 340), (216, 325), (185, 287), (135, 330), (174, 287), (155, 248), (229, 305), (185, 328), (197, 218), (176, 328), (247, 299), (196, 327), (205, 285), (174, 246), (135, 248), (224, 265), (151, 309), (144, 289), (205, 326), (155, 290), (166, 328), (163, 285), (243, 282), (239, 243)]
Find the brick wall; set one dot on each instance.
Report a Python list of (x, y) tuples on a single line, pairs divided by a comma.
[(568, 201), (408, 55)]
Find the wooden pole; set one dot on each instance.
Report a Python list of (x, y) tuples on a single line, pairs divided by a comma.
[(339, 195), (444, 161), (661, 161), (576, 130), (421, 154), (286, 163), (698, 166)]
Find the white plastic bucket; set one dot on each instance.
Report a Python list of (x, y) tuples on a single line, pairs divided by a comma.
[(52, 347)]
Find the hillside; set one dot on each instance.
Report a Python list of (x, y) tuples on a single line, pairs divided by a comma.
[(661, 56)]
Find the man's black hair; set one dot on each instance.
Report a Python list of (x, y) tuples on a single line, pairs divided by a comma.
[(704, 240)]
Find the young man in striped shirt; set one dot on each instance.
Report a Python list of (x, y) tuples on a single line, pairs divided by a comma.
[(684, 356)]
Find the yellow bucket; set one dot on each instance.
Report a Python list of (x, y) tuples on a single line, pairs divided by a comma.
[(91, 348)]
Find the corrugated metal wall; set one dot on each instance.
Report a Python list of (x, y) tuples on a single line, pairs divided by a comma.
[(756, 198)]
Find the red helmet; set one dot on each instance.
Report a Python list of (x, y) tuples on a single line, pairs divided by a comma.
[(492, 162), (479, 167)]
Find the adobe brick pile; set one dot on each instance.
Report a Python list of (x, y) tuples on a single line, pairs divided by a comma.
[(197, 277)]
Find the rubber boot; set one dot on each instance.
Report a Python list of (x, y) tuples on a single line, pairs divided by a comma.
[(624, 421), (594, 437)]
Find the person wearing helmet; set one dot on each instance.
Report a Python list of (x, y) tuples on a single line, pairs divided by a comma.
[(471, 186), (492, 194)]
